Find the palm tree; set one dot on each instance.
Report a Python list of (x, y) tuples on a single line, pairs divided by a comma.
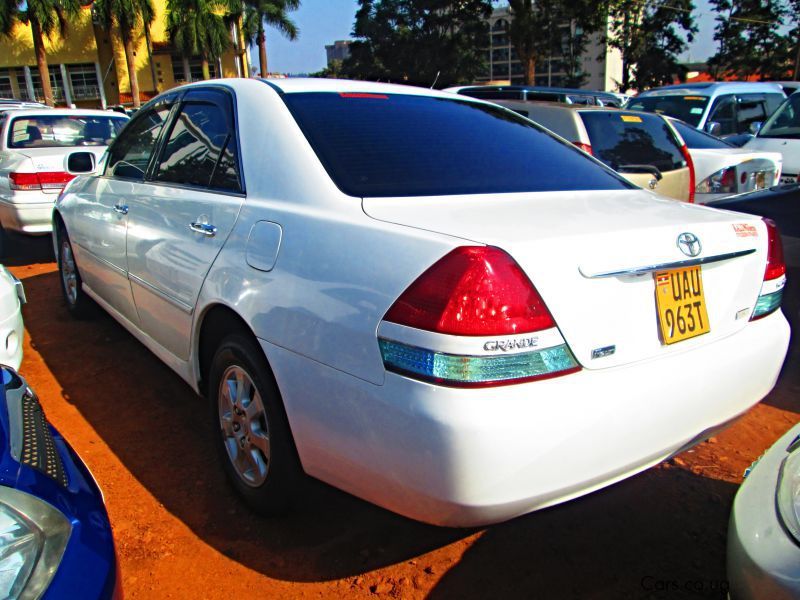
[(197, 27), (273, 13), (44, 17), (127, 15)]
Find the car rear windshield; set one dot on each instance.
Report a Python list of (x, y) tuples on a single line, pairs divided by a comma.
[(54, 131), (388, 145), (785, 122), (699, 140), (686, 108), (622, 139)]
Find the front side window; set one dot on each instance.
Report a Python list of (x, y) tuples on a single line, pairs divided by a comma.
[(385, 145), (201, 149), (54, 131), (785, 122), (623, 140), (724, 113), (131, 153), (686, 108)]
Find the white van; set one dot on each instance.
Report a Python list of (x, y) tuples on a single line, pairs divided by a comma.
[(781, 133)]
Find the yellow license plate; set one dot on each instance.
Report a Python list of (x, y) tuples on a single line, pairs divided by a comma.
[(681, 304)]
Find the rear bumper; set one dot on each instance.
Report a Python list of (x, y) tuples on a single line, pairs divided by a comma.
[(28, 217), (763, 561), (11, 336), (467, 457)]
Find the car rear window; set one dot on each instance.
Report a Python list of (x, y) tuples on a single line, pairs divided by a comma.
[(54, 131), (687, 108), (400, 145), (621, 139), (699, 140)]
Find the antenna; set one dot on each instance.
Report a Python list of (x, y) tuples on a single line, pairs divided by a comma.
[(436, 79)]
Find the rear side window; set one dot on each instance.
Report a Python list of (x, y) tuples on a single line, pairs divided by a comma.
[(200, 150), (621, 139), (398, 145), (699, 140), (686, 108), (131, 153)]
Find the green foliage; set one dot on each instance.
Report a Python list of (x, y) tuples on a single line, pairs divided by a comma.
[(750, 42), (51, 15), (419, 41), (272, 13), (650, 35), (197, 27), (537, 32), (128, 15)]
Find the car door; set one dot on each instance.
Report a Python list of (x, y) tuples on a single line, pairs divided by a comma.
[(99, 227), (185, 211)]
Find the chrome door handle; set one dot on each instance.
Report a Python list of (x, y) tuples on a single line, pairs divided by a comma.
[(121, 209), (203, 228)]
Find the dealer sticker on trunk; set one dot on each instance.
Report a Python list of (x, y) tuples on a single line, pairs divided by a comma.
[(681, 304), (745, 230)]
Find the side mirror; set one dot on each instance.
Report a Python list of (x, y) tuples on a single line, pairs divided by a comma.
[(755, 127), (713, 127), (80, 163)]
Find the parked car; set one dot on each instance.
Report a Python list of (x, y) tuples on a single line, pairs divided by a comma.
[(12, 297), (55, 538), (34, 145), (644, 148), (764, 530), (719, 108), (538, 93), (781, 133), (371, 288), (723, 170), (780, 203)]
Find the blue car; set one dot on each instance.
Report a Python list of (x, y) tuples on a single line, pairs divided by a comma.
[(55, 538)]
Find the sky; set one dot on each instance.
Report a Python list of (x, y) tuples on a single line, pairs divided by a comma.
[(322, 22)]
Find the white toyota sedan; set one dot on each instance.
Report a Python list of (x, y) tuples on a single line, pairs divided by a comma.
[(425, 300), (34, 145)]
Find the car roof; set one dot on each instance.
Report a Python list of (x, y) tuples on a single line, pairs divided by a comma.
[(294, 85), (714, 87)]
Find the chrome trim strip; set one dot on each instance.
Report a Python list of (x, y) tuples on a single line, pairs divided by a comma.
[(150, 287), (678, 264)]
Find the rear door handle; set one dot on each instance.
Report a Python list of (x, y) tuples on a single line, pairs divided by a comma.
[(121, 209), (203, 228)]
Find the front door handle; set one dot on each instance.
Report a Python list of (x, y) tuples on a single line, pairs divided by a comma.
[(121, 209), (203, 228)]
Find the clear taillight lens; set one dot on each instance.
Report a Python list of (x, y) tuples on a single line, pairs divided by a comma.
[(721, 182)]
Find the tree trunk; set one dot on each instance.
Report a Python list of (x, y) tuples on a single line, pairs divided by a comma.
[(262, 50), (41, 63), (530, 70), (130, 60), (149, 43), (206, 70), (187, 71)]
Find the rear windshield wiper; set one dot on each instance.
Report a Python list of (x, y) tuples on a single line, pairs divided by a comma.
[(641, 169)]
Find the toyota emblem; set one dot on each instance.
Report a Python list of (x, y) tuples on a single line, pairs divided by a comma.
[(689, 244)]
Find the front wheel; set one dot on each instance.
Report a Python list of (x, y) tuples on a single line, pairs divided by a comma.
[(251, 429), (78, 303)]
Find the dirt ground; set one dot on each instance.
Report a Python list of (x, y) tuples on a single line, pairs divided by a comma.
[(181, 532)]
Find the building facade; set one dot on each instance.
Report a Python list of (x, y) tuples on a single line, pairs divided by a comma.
[(88, 67), (601, 64), (338, 50)]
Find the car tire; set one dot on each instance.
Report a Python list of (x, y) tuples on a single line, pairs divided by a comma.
[(250, 427), (78, 303)]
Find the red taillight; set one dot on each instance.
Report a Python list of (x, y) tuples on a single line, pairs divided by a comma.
[(473, 290), (47, 180), (689, 163), (585, 147), (776, 266)]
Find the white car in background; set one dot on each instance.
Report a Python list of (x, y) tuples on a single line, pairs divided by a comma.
[(34, 145), (764, 530), (724, 170), (781, 133), (12, 297), (370, 287)]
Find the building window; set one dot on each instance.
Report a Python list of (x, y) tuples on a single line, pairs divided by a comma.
[(6, 91), (195, 68), (55, 83), (83, 79)]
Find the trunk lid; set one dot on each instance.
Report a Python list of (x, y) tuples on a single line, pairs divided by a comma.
[(566, 241)]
